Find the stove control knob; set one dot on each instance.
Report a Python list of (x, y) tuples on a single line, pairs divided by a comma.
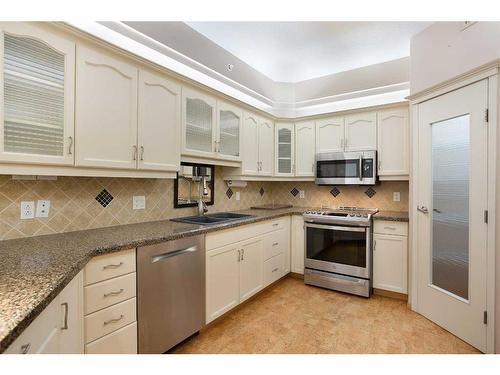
[(358, 215), (365, 215)]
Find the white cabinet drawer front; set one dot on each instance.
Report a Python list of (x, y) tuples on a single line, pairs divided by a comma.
[(110, 319), (122, 341), (390, 227), (273, 269), (276, 224), (107, 266), (109, 292), (275, 243)]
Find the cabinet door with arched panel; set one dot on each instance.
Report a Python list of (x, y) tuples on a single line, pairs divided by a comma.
[(393, 142), (361, 131), (330, 134)]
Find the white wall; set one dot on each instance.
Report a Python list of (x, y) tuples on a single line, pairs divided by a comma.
[(442, 51)]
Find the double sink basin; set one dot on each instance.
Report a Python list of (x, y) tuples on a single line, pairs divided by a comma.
[(211, 219)]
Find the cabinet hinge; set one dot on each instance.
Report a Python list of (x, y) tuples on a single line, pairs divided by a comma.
[(485, 317), (486, 115), (486, 216)]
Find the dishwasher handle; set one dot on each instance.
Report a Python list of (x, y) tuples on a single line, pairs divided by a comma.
[(170, 254)]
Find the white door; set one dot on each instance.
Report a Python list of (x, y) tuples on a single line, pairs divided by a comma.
[(37, 71), (266, 147), (361, 132), (106, 110), (229, 120), (452, 199), (198, 124), (330, 135), (304, 148), (390, 262), (222, 274), (249, 147), (251, 275), (393, 142), (284, 149), (159, 123)]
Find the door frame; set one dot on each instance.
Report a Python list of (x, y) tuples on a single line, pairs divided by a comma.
[(489, 72)]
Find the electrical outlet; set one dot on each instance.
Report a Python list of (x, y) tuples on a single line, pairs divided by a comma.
[(237, 196), (27, 210), (139, 202), (396, 196), (42, 208), (302, 194)]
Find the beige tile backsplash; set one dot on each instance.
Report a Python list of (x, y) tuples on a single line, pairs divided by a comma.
[(73, 204)]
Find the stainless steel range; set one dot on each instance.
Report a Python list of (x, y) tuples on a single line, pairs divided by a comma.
[(338, 246)]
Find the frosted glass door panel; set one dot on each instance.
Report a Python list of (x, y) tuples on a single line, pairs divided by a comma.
[(199, 125), (285, 146), (229, 130), (450, 205)]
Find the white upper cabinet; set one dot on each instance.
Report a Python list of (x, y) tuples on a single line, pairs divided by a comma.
[(106, 110), (304, 148), (266, 147), (330, 135), (393, 142), (229, 120), (285, 147), (361, 131), (250, 164), (37, 73), (159, 123), (198, 123)]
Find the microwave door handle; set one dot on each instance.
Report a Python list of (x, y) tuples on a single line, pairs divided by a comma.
[(360, 167)]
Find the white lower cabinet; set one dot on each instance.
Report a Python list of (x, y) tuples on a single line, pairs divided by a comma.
[(390, 256), (297, 248), (59, 327), (242, 261)]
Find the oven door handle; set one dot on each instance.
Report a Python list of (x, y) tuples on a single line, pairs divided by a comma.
[(334, 227)]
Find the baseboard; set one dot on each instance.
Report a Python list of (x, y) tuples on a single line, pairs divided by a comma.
[(390, 294), (296, 275)]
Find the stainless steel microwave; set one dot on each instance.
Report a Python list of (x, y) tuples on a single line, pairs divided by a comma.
[(346, 168)]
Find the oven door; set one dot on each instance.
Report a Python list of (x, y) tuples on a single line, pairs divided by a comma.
[(339, 249), (346, 168)]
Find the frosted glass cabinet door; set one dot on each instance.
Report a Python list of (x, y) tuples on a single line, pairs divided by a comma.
[(284, 147), (37, 71), (198, 124), (229, 119)]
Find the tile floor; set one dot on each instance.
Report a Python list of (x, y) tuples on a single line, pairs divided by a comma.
[(291, 317)]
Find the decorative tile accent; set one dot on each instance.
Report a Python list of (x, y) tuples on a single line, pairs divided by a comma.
[(335, 191), (104, 198), (229, 193), (370, 192), (261, 191), (294, 192)]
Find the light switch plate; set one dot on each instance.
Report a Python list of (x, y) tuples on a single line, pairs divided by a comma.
[(139, 202), (302, 194), (27, 210), (42, 208), (396, 196), (237, 196)]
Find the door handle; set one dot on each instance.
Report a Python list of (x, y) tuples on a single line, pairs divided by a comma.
[(170, 254), (423, 209), (437, 211)]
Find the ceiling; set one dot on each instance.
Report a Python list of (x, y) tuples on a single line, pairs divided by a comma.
[(298, 51)]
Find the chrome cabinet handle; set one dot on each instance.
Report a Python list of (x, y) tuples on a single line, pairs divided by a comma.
[(275, 269), (374, 245), (242, 254), (360, 167), (239, 255), (106, 295), (379, 164), (112, 266), (70, 148), (342, 143), (312, 169), (142, 153), (114, 320), (135, 152), (437, 211), (275, 244), (276, 224), (25, 348), (390, 228), (66, 308), (423, 209)]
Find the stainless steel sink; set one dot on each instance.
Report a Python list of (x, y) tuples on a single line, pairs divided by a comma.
[(211, 219)]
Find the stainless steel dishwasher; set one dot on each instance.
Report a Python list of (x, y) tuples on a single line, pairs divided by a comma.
[(170, 293)]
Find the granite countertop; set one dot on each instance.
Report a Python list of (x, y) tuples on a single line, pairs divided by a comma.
[(392, 216), (34, 270)]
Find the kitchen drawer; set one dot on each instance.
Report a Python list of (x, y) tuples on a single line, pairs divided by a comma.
[(109, 292), (275, 243), (274, 269), (122, 341), (390, 227), (110, 319), (107, 266)]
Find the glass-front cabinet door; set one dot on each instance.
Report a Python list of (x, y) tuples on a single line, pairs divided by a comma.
[(37, 67), (284, 149), (228, 130)]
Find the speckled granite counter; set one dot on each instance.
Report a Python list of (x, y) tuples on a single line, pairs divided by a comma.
[(392, 216), (34, 270)]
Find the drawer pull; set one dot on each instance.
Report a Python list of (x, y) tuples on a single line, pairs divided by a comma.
[(276, 224), (390, 228), (114, 320), (25, 348), (275, 269), (112, 266), (275, 244), (65, 324), (113, 293)]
